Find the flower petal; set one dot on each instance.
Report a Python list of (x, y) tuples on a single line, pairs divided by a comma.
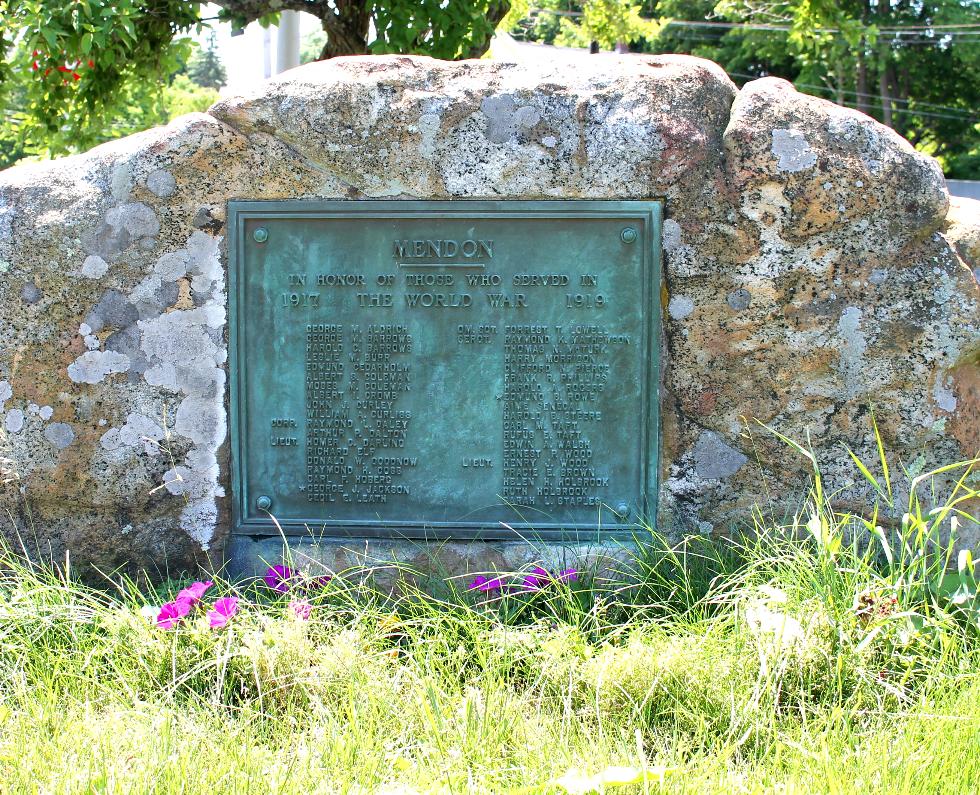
[(222, 611), (277, 578), (195, 592)]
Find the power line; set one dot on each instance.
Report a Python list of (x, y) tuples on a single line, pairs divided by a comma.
[(876, 100), (767, 26), (958, 29), (969, 114)]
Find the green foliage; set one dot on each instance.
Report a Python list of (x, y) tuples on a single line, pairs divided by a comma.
[(184, 96), (964, 164), (143, 109), (78, 72), (608, 22), (72, 67), (910, 66), (311, 46), (433, 27), (891, 61), (539, 23), (205, 67)]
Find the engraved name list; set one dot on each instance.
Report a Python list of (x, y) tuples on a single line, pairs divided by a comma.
[(459, 373)]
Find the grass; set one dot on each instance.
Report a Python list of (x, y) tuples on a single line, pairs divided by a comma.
[(827, 654)]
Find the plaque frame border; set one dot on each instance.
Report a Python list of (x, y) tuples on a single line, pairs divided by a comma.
[(649, 212)]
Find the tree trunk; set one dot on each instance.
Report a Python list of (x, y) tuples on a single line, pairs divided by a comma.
[(861, 79), (839, 75), (861, 87), (346, 29), (884, 91), (885, 67), (497, 11), (902, 84), (346, 22), (898, 120)]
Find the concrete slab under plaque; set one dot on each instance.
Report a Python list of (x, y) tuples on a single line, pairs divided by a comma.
[(432, 369)]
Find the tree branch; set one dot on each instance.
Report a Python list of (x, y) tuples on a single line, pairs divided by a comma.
[(247, 11), (497, 11)]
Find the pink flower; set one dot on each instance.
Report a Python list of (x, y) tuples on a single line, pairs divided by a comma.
[(223, 610), (540, 578), (481, 583), (172, 613), (195, 592), (278, 577), (537, 579), (301, 609)]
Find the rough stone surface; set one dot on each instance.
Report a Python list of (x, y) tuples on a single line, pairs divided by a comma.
[(962, 229), (810, 274), (94, 267), (15, 421), (161, 183), (715, 460)]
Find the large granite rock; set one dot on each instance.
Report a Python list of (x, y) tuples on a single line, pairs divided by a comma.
[(810, 276)]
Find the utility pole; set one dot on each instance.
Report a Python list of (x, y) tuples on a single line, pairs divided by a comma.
[(287, 42), (266, 53)]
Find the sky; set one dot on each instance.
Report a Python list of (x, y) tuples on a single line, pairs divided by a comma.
[(243, 55)]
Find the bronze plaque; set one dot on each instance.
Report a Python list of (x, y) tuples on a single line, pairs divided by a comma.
[(444, 369)]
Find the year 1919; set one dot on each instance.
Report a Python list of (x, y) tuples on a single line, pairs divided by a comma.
[(584, 300)]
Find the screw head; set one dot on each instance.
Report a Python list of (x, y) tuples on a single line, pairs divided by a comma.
[(628, 234), (622, 509), (261, 234), (263, 503)]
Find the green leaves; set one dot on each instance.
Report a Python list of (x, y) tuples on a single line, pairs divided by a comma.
[(455, 29), (73, 71), (78, 72), (959, 592), (608, 22)]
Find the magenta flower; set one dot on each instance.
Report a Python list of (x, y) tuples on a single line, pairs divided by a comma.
[(195, 592), (319, 582), (172, 613), (301, 609), (278, 577), (537, 579), (540, 578), (481, 583), (222, 612)]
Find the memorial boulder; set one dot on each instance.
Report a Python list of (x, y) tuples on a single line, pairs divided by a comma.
[(787, 261)]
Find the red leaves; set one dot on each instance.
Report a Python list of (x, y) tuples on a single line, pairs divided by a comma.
[(66, 67)]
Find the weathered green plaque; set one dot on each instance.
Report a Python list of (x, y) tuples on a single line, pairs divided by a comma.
[(444, 369)]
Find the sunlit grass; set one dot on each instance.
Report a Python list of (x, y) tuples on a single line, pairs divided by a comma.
[(821, 656)]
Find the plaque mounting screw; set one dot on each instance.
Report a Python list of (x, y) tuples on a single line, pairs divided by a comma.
[(261, 234), (263, 503), (622, 509), (628, 234)]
